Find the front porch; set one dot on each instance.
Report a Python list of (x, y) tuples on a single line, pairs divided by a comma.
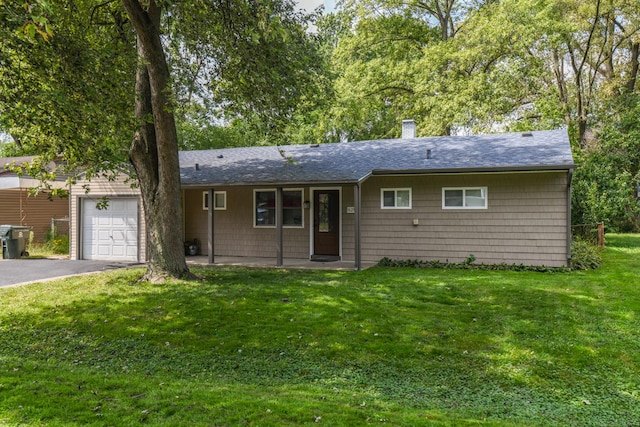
[(301, 227), (266, 262)]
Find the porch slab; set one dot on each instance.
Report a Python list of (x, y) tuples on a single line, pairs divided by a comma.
[(298, 263)]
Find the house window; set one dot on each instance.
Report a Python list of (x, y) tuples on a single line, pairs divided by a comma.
[(219, 200), (265, 208), (395, 198), (292, 208), (464, 198)]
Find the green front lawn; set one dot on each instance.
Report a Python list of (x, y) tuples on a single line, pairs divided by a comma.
[(278, 347)]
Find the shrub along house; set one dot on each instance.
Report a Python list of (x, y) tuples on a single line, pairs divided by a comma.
[(503, 198)]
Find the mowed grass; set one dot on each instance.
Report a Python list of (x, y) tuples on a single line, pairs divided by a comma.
[(282, 347)]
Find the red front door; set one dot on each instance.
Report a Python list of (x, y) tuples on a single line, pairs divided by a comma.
[(326, 222)]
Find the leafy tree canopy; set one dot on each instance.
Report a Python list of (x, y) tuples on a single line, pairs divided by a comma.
[(477, 66), (71, 88)]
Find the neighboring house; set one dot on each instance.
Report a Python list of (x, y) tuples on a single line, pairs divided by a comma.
[(18, 207), (502, 198)]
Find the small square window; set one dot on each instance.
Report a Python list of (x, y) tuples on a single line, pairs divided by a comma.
[(395, 198), (464, 198), (219, 200)]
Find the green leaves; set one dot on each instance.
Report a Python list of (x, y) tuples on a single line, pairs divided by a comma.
[(37, 25), (241, 61), (606, 182), (72, 95), (467, 71), (27, 20), (478, 66)]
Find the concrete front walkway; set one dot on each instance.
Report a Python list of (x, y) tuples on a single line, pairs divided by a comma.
[(271, 263)]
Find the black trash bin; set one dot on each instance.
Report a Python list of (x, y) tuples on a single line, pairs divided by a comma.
[(14, 241)]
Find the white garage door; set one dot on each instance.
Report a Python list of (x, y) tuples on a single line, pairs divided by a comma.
[(110, 234)]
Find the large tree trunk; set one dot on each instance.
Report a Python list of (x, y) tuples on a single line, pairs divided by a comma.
[(634, 67), (154, 151)]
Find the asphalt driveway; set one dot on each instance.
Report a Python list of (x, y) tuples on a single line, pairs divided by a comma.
[(21, 271)]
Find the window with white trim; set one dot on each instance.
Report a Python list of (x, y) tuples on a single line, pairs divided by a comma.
[(395, 198), (464, 198), (264, 208), (219, 200)]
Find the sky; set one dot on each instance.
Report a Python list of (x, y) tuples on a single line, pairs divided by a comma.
[(310, 5)]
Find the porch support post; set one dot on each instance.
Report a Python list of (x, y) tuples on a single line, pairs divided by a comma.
[(356, 226), (279, 221), (210, 233)]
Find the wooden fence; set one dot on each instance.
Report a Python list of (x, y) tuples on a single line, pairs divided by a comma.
[(590, 232)]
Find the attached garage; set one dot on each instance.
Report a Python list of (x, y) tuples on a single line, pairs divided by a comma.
[(116, 232), (111, 233)]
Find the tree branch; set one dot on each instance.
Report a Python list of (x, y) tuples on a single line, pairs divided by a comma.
[(591, 33), (99, 6)]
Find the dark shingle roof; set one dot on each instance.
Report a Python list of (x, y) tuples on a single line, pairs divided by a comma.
[(350, 162)]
